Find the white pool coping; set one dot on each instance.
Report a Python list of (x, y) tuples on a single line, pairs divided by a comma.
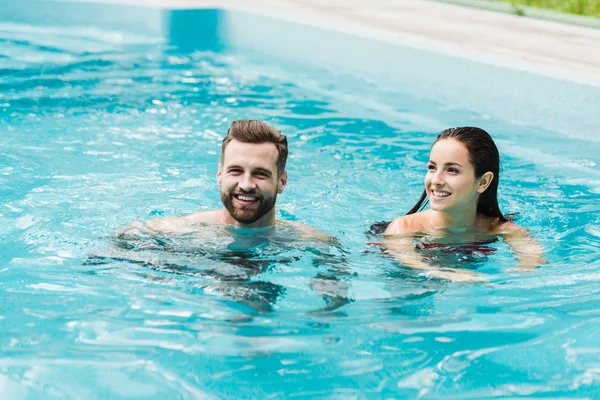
[(529, 72), (550, 48)]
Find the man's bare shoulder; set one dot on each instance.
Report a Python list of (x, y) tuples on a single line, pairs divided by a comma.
[(185, 223), (176, 225), (406, 224), (307, 231), (204, 217)]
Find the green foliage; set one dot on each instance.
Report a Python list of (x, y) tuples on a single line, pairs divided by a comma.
[(518, 10), (581, 7)]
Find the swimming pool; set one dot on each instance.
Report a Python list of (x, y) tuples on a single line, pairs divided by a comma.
[(117, 115)]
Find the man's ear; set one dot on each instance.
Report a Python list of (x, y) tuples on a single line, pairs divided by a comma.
[(282, 181), (484, 181), (219, 172)]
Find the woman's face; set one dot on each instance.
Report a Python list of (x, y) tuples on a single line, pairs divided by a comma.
[(450, 182)]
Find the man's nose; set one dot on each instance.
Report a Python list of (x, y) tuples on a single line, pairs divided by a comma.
[(247, 183)]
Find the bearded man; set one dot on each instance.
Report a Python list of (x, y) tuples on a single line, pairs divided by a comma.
[(251, 175)]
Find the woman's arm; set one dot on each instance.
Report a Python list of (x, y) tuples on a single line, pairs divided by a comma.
[(526, 249)]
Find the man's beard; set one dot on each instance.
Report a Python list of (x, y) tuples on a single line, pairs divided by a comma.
[(248, 216)]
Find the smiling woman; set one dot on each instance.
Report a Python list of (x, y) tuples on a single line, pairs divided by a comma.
[(461, 186)]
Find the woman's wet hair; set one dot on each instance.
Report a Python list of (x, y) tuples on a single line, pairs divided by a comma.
[(378, 228), (484, 157)]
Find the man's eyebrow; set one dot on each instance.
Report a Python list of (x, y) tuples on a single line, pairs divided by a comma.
[(264, 170)]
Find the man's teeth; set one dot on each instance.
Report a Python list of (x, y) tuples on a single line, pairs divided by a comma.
[(441, 194), (246, 198)]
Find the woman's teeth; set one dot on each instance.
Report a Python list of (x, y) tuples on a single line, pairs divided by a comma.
[(440, 194)]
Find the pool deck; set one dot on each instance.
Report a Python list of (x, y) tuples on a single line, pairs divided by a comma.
[(552, 48)]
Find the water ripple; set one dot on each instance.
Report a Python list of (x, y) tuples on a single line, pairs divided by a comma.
[(103, 128)]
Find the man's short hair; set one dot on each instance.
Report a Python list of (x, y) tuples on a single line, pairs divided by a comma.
[(254, 131)]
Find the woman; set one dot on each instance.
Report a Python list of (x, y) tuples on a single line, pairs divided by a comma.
[(461, 187)]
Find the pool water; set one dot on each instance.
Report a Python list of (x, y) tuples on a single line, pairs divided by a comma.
[(99, 131)]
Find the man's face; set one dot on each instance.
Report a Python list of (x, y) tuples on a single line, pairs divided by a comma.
[(248, 182)]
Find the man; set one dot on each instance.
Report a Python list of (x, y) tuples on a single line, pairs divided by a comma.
[(251, 174)]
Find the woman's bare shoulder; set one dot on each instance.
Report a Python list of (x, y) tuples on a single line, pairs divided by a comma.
[(501, 227), (510, 228), (496, 225), (412, 223)]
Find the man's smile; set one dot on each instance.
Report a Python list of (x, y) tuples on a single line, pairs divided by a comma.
[(246, 199)]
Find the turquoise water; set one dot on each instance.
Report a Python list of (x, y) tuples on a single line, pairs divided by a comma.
[(102, 129)]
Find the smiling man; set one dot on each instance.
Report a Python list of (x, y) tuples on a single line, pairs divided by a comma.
[(251, 174)]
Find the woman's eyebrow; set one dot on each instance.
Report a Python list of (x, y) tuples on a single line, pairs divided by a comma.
[(453, 163), (446, 164)]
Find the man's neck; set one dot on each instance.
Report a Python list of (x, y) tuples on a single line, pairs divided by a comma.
[(266, 221)]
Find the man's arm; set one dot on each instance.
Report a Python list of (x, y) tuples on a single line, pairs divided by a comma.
[(332, 281), (308, 232)]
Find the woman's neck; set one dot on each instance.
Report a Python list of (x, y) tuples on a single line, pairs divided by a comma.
[(450, 221)]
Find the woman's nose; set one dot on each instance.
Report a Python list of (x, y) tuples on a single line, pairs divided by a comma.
[(437, 179)]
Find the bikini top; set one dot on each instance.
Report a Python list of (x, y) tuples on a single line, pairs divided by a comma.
[(468, 248)]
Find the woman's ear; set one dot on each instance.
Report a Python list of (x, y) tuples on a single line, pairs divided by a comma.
[(484, 181)]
